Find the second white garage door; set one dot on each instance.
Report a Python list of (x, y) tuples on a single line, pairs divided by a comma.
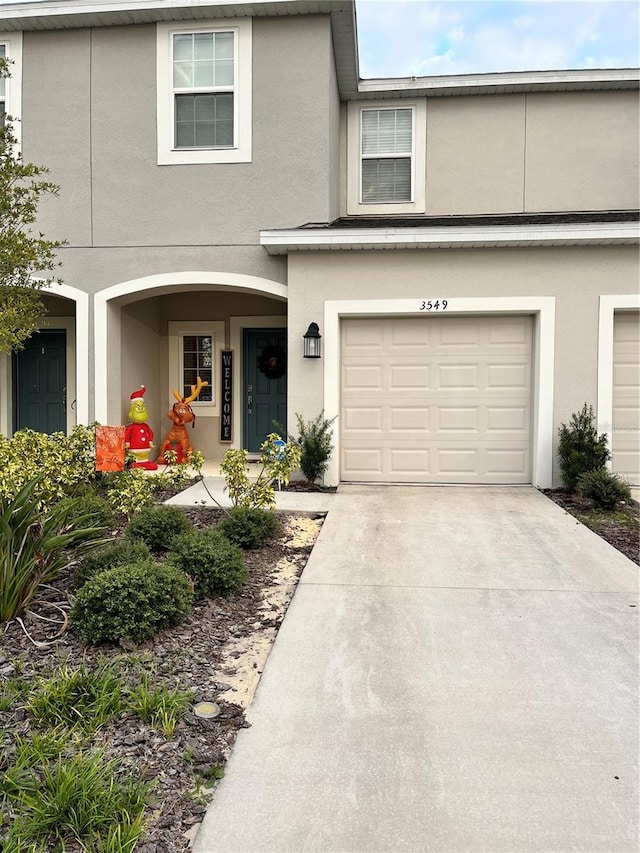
[(444, 399)]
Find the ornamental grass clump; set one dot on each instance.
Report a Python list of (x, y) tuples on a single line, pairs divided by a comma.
[(36, 544), (57, 803), (157, 526), (83, 697), (132, 602), (215, 566)]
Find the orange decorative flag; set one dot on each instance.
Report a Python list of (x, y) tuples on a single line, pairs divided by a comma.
[(110, 448)]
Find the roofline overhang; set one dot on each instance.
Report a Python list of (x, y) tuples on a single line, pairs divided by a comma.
[(499, 83), (283, 241)]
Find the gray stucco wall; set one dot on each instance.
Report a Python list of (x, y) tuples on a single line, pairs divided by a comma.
[(90, 115)]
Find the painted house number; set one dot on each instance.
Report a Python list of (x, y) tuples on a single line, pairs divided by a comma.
[(433, 305)]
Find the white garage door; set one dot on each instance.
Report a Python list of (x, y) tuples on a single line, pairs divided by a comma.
[(625, 434), (436, 399)]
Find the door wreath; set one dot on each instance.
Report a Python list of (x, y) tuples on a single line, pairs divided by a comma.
[(272, 362)]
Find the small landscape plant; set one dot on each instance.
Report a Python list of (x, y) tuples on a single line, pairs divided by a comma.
[(160, 706), (108, 557), (132, 602), (604, 488), (277, 464), (315, 441), (249, 527), (215, 566), (34, 545), (580, 448), (82, 696), (128, 491), (55, 800), (157, 526)]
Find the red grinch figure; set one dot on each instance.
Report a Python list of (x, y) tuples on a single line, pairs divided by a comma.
[(138, 437)]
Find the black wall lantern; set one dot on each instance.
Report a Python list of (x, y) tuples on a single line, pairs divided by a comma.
[(312, 342)]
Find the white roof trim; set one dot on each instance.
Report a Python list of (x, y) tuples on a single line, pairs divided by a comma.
[(504, 81), (281, 241)]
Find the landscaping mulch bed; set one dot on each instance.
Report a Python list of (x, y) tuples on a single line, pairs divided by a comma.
[(201, 655), (619, 527)]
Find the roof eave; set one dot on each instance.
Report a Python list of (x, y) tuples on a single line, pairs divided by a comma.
[(283, 241)]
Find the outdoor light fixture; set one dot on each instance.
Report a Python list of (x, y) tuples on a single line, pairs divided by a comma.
[(312, 342)]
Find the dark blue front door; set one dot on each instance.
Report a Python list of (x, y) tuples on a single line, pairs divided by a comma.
[(265, 384), (39, 380)]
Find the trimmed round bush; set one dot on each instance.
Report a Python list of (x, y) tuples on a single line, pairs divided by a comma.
[(109, 557), (88, 510), (156, 526), (604, 488), (249, 527), (215, 566), (131, 602)]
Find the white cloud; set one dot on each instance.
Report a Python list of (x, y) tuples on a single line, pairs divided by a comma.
[(405, 38)]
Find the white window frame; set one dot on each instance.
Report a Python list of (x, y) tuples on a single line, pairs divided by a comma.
[(355, 205), (13, 85), (240, 152), (177, 332)]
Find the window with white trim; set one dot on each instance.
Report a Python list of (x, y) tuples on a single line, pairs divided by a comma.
[(386, 150), (197, 361), (194, 350), (10, 87), (3, 88), (204, 93)]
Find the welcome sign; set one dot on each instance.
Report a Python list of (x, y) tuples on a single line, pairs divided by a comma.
[(226, 396)]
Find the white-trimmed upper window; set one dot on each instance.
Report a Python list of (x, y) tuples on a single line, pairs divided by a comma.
[(204, 93), (386, 158), (11, 87)]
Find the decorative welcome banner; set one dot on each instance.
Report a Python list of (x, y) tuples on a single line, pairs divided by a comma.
[(226, 396)]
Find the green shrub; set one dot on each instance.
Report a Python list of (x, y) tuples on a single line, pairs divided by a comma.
[(277, 464), (58, 461), (133, 601), (215, 565), (34, 545), (89, 503), (315, 442), (604, 488), (157, 526), (249, 527), (128, 491), (580, 448), (112, 555)]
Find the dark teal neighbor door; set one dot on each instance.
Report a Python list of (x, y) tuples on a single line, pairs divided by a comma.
[(265, 384), (39, 380)]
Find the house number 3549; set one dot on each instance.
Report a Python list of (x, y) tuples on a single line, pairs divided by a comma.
[(433, 305)]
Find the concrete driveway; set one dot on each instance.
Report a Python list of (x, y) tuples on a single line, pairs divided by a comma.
[(458, 671)]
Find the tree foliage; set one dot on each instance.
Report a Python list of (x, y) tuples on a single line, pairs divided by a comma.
[(24, 251)]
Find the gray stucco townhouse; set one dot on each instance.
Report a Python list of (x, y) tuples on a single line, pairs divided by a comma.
[(467, 246)]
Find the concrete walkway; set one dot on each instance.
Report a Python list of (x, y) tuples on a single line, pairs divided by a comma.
[(458, 671)]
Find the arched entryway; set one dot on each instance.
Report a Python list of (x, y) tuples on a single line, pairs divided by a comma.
[(161, 331)]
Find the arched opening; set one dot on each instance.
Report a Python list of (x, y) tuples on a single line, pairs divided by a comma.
[(162, 331)]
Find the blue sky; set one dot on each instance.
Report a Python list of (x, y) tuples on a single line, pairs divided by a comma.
[(402, 38)]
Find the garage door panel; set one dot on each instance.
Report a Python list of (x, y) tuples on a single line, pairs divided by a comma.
[(625, 432), (444, 399)]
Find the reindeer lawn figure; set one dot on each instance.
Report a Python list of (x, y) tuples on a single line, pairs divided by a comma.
[(181, 414)]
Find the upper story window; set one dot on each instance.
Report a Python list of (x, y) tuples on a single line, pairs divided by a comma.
[(204, 93), (10, 87), (386, 150)]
